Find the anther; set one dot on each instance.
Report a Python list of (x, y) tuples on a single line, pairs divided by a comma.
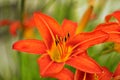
[(56, 42), (65, 39), (68, 35)]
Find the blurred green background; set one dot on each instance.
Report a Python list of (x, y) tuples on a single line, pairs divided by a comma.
[(17, 66)]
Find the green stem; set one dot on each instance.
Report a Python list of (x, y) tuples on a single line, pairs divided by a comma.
[(22, 5), (22, 10)]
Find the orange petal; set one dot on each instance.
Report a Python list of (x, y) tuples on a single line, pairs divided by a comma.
[(4, 22), (85, 19), (13, 27), (29, 23), (47, 66), (116, 15), (79, 75), (64, 74), (117, 71), (85, 40), (47, 27), (105, 75), (108, 17), (113, 29), (69, 27), (84, 63), (30, 46)]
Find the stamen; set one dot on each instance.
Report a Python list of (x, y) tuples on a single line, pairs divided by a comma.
[(65, 39), (84, 78), (56, 42), (61, 52), (61, 39), (68, 35), (57, 38), (60, 49)]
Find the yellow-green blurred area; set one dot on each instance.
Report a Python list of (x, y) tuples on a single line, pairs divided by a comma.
[(21, 66)]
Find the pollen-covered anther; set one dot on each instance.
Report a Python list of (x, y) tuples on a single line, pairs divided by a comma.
[(61, 39), (66, 37), (56, 42)]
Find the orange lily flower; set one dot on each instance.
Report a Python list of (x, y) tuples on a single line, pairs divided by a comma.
[(14, 25), (105, 75), (112, 28), (61, 46), (116, 15), (27, 24)]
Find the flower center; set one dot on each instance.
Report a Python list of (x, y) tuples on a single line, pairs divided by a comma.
[(59, 51)]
